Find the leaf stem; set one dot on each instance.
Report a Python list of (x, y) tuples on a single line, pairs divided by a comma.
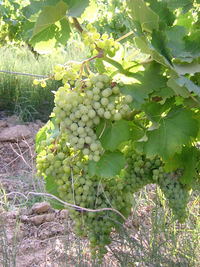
[(124, 36)]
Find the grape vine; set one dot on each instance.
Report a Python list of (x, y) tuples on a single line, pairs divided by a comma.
[(128, 124)]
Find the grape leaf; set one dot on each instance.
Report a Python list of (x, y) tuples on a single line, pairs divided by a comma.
[(32, 10), (140, 91), (40, 136), (154, 110), (50, 15), (188, 155), (165, 92), (141, 13), (109, 165), (174, 4), (92, 168), (165, 15), (176, 43), (46, 40), (183, 81), (148, 48), (192, 43), (185, 68), (176, 128), (159, 42), (136, 132), (113, 134), (76, 7), (178, 89)]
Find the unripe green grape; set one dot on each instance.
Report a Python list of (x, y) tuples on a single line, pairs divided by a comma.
[(128, 98), (74, 140), (107, 115), (80, 130), (96, 97), (84, 118), (93, 146), (74, 127), (111, 106), (81, 123), (96, 158), (67, 169), (115, 90), (77, 114), (99, 85), (96, 90), (91, 113), (100, 112), (61, 155), (96, 36), (117, 117), (89, 94), (107, 92), (104, 101), (96, 105)]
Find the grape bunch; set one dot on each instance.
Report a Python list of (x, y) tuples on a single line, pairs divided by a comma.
[(75, 186), (96, 41), (141, 171), (176, 193), (79, 108)]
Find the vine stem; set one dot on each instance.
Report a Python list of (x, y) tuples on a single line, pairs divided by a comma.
[(77, 24)]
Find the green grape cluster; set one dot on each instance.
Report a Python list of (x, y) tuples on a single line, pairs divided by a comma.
[(75, 186), (78, 110), (141, 171), (95, 40), (98, 225), (176, 193), (67, 73)]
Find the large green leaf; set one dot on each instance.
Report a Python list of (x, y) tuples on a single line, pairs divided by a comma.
[(46, 40), (109, 165), (176, 129), (114, 133), (141, 13), (166, 16), (154, 110), (143, 44), (76, 7), (50, 15), (141, 90)]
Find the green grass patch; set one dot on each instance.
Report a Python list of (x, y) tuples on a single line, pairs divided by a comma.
[(18, 94)]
